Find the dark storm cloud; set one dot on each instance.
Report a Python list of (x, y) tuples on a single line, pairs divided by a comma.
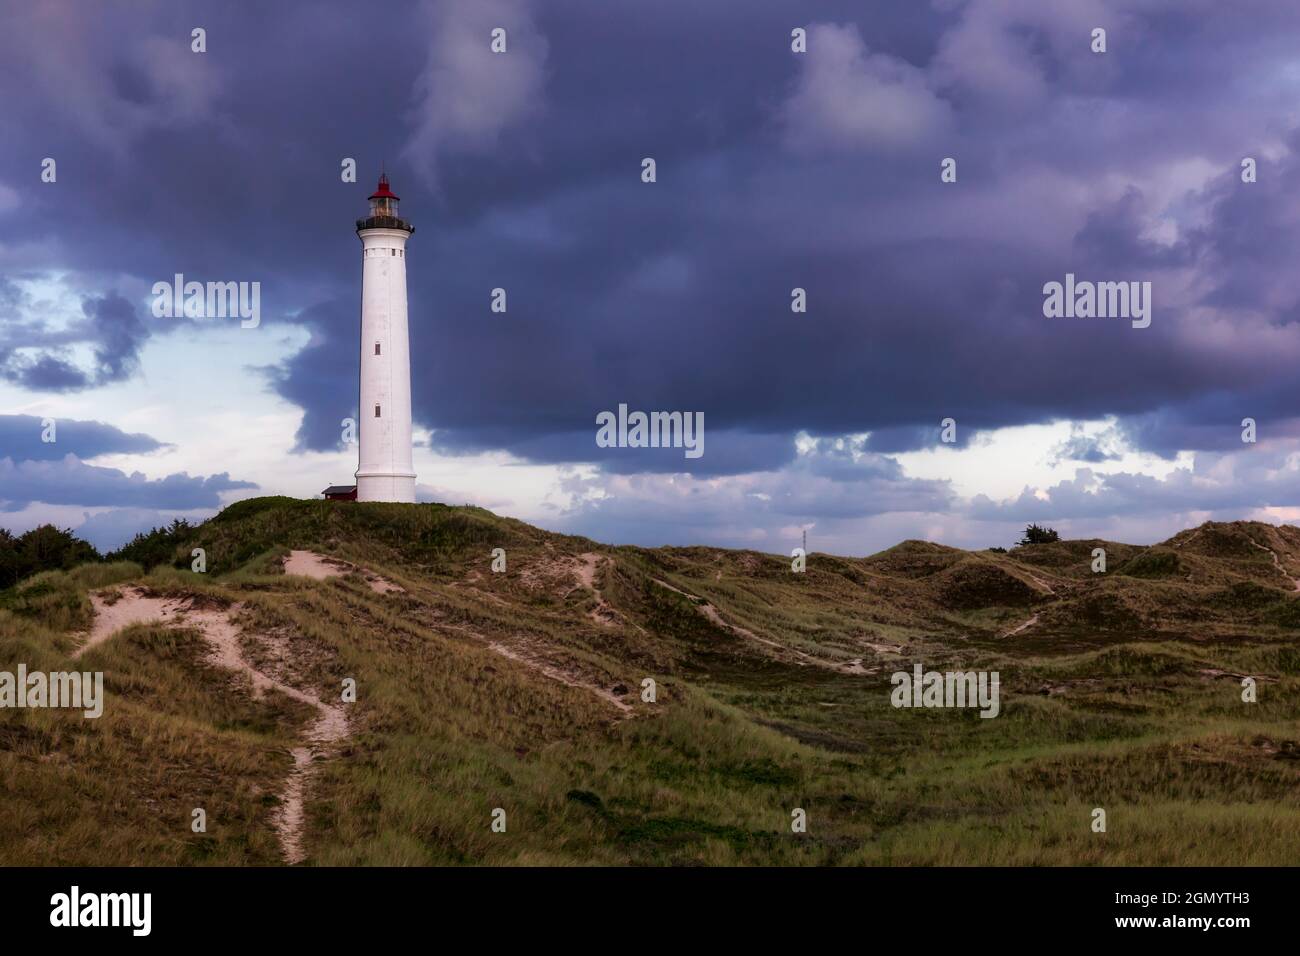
[(323, 379), (69, 481), (774, 171), (35, 356), (57, 473), (119, 333), (47, 374), (724, 452), (849, 460), (1092, 449), (20, 439), (910, 438)]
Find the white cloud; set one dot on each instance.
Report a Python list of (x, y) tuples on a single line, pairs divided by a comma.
[(848, 98), (1002, 51)]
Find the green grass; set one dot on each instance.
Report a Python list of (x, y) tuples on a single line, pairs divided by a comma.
[(445, 730), (1151, 564)]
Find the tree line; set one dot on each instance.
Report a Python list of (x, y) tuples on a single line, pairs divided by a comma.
[(50, 548)]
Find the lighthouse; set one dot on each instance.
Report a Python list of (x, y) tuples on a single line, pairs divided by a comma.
[(384, 469)]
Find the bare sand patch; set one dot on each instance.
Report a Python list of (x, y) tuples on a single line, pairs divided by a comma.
[(132, 606), (309, 564)]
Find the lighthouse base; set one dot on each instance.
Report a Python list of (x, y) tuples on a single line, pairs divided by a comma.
[(386, 487)]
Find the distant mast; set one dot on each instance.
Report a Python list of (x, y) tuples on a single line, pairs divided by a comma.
[(384, 469)]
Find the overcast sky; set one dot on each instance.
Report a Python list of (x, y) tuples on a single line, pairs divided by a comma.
[(775, 170)]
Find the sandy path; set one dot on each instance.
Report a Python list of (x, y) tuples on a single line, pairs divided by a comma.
[(329, 727), (881, 648), (711, 612), (220, 631), (603, 613), (1277, 563), (309, 564), (1022, 627), (1039, 581), (586, 569), (587, 565), (554, 673), (1214, 672), (561, 572), (851, 667), (522, 655), (665, 584)]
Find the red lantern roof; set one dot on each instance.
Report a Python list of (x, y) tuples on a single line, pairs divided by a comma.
[(382, 191)]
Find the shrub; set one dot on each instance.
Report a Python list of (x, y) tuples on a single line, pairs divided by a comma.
[(159, 546), (1037, 535)]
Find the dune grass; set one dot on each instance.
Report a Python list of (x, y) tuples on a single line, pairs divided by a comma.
[(445, 730)]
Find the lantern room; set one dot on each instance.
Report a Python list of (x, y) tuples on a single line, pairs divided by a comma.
[(382, 201), (383, 210)]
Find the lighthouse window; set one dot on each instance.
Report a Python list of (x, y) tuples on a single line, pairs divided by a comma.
[(376, 348), (376, 411)]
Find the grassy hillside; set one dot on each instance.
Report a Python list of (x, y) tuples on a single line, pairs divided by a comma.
[(522, 691)]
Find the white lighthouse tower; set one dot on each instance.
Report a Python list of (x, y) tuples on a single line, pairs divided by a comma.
[(384, 469)]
